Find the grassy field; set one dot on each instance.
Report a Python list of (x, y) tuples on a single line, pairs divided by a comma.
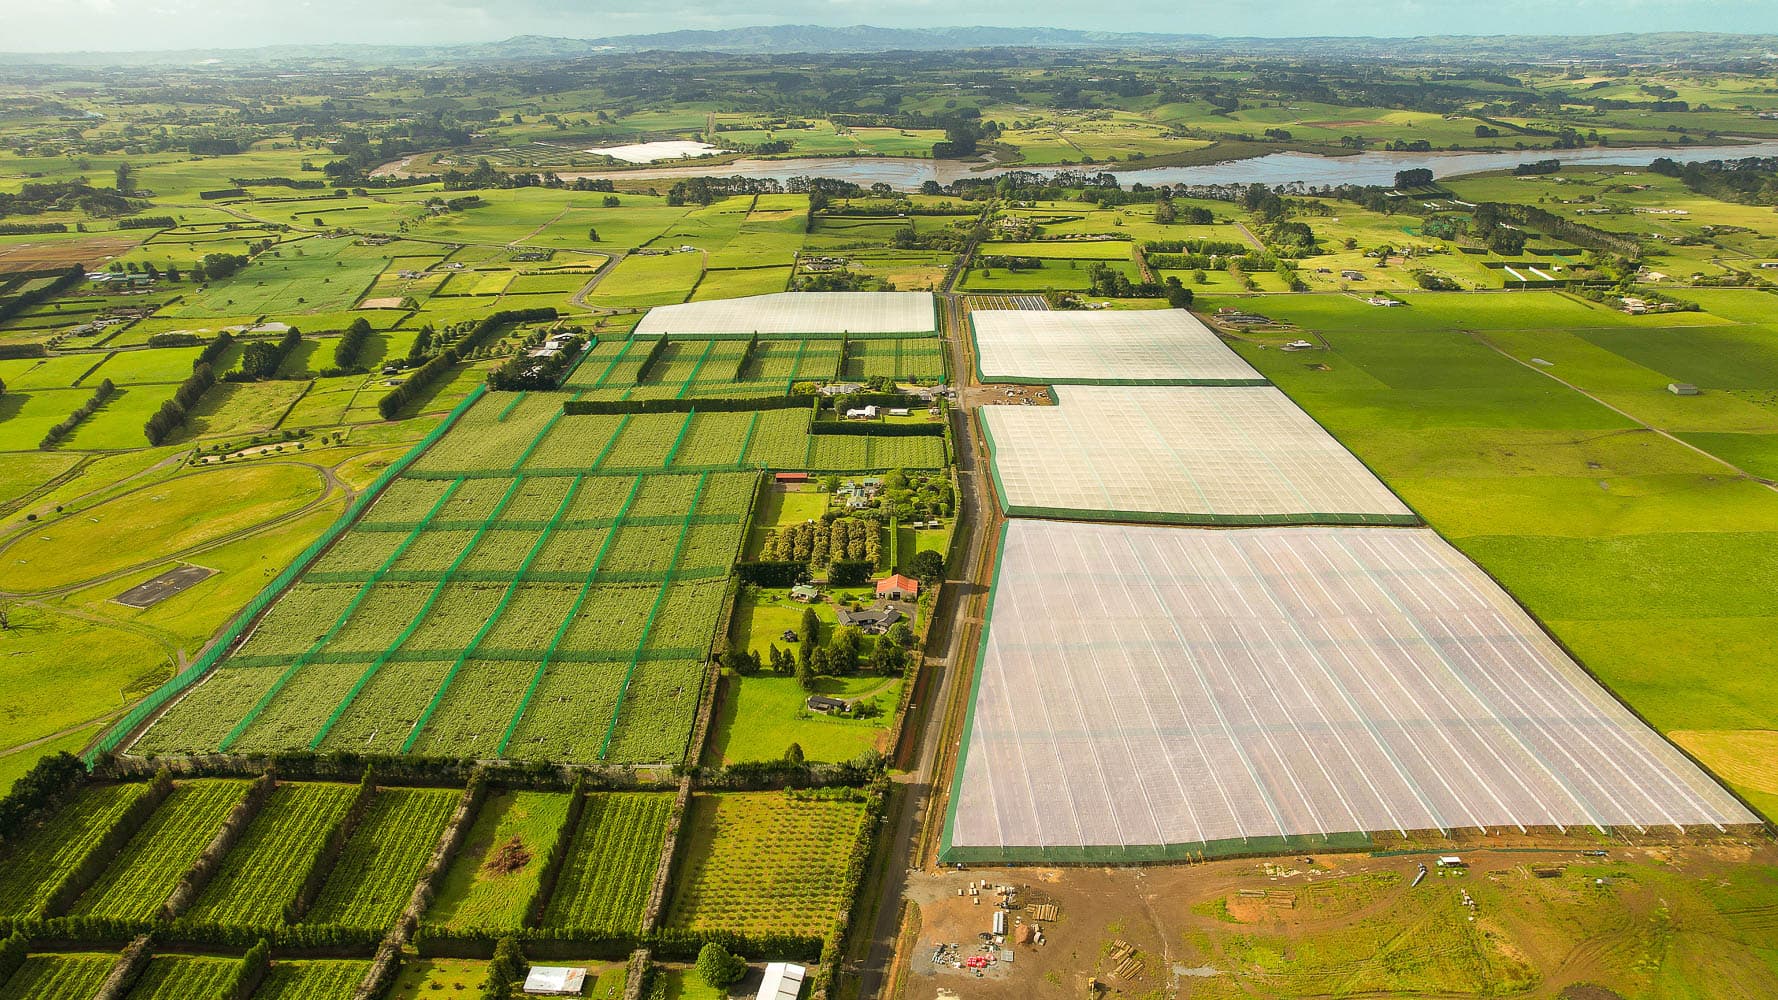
[(642, 281), (495, 875), (1648, 559), (758, 718), (171, 517)]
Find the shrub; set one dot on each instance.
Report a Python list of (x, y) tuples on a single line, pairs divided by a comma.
[(719, 968)]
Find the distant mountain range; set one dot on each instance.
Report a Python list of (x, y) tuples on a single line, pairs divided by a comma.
[(808, 38)]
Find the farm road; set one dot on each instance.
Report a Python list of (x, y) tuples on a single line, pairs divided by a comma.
[(956, 628)]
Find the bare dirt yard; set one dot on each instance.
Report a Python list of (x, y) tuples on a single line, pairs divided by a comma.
[(1533, 916)]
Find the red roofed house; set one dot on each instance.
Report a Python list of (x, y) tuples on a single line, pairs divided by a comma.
[(898, 588)]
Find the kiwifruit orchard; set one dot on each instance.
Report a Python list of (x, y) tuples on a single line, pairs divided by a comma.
[(471, 512)]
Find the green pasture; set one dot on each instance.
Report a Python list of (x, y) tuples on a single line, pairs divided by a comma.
[(315, 275), (1651, 561), (648, 280)]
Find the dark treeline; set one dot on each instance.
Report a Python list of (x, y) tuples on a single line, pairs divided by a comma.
[(103, 392), (1749, 181)]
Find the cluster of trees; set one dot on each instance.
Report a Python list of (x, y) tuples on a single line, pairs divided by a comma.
[(1111, 283), (720, 968), (104, 391), (260, 359), (522, 371), (351, 343), (1011, 263), (1749, 181), (37, 197), (148, 222), (1537, 167), (472, 338), (824, 541), (506, 968), (1167, 213), (214, 267), (295, 184), (32, 228), (1416, 178), (1291, 239), (486, 176), (1492, 219), (43, 789), (24, 300), (171, 416), (962, 138)]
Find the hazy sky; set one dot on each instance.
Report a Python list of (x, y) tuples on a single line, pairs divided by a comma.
[(63, 25)]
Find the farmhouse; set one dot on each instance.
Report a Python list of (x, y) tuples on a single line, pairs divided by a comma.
[(822, 703), (898, 588), (804, 593), (874, 621), (862, 413), (555, 981)]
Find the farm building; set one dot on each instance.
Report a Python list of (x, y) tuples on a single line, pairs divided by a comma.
[(898, 588), (783, 981), (796, 314), (804, 593), (874, 621), (1162, 345), (555, 981), (1151, 692), (823, 703), (1682, 388), (1190, 454)]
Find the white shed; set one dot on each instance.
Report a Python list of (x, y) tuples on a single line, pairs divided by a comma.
[(783, 981), (555, 981)]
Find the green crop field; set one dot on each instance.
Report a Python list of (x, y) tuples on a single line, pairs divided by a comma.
[(374, 877), (611, 864), (50, 852), (185, 977), (258, 881), (766, 862), (494, 878), (311, 980), (142, 876), (58, 976)]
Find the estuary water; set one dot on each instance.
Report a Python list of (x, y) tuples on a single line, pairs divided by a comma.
[(907, 174)]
